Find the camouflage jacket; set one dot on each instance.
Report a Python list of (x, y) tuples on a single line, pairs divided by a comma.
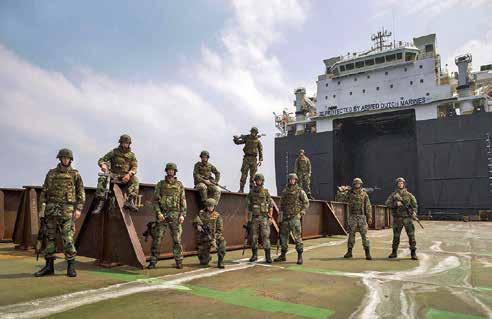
[(358, 202), (63, 185), (121, 162), (169, 197), (302, 166), (212, 220), (252, 146), (293, 201), (203, 172), (406, 198), (258, 201)]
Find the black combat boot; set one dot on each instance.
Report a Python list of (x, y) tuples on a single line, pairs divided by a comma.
[(47, 270), (413, 255), (99, 207), (220, 262), (179, 264), (241, 188), (268, 257), (299, 257), (348, 254), (130, 204), (255, 255), (281, 257), (394, 253), (152, 264), (71, 268), (368, 253), (205, 261)]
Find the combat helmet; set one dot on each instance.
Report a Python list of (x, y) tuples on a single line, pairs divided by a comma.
[(292, 175), (205, 153), (254, 129), (259, 176), (171, 166), (125, 138), (357, 180), (400, 179), (210, 202), (65, 152), (301, 151)]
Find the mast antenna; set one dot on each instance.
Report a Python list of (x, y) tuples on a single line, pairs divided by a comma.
[(379, 40)]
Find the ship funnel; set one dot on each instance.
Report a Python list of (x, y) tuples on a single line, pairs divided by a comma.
[(300, 108), (463, 62)]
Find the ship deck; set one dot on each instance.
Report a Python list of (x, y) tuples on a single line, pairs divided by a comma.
[(452, 279)]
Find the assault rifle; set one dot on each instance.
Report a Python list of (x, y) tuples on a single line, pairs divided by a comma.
[(42, 232), (247, 230), (242, 137), (365, 189), (149, 230), (410, 211), (212, 180)]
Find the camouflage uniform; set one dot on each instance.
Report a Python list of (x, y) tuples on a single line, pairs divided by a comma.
[(62, 194), (121, 162), (360, 211), (293, 205), (252, 149), (202, 172), (211, 236), (302, 169), (259, 206), (169, 200), (402, 219)]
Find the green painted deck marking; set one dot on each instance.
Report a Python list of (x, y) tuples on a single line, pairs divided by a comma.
[(485, 289), (119, 275), (440, 314), (246, 298)]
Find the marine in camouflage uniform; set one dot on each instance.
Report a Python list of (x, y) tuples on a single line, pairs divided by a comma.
[(60, 203), (210, 226), (169, 204), (204, 182), (259, 206), (398, 201), (360, 215), (253, 157), (122, 163), (302, 169), (293, 205)]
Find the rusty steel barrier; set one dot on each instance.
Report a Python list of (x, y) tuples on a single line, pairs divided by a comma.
[(10, 199), (379, 217), (115, 236)]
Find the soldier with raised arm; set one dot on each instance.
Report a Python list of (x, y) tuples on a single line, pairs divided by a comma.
[(253, 156), (60, 203)]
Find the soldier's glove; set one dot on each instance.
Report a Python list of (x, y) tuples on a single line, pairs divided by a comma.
[(399, 203), (303, 212), (199, 228), (160, 217)]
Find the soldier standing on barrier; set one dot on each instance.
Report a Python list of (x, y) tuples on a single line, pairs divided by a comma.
[(61, 203), (252, 149), (204, 182), (169, 204), (400, 202), (293, 205), (259, 206), (360, 215), (303, 170), (210, 227), (122, 163)]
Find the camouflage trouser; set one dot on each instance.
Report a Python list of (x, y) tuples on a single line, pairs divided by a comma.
[(250, 164), (398, 224), (305, 183), (288, 225), (205, 191), (59, 219), (357, 223), (131, 186), (260, 224), (204, 245), (158, 233)]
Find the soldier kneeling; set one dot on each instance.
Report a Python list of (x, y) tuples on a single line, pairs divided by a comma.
[(209, 226)]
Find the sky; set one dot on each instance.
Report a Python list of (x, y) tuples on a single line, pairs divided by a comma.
[(183, 76)]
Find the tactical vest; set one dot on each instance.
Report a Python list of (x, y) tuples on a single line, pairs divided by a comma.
[(121, 162), (302, 165), (406, 198), (61, 188), (205, 171), (171, 196), (251, 146), (290, 201), (259, 201), (209, 219), (356, 203)]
